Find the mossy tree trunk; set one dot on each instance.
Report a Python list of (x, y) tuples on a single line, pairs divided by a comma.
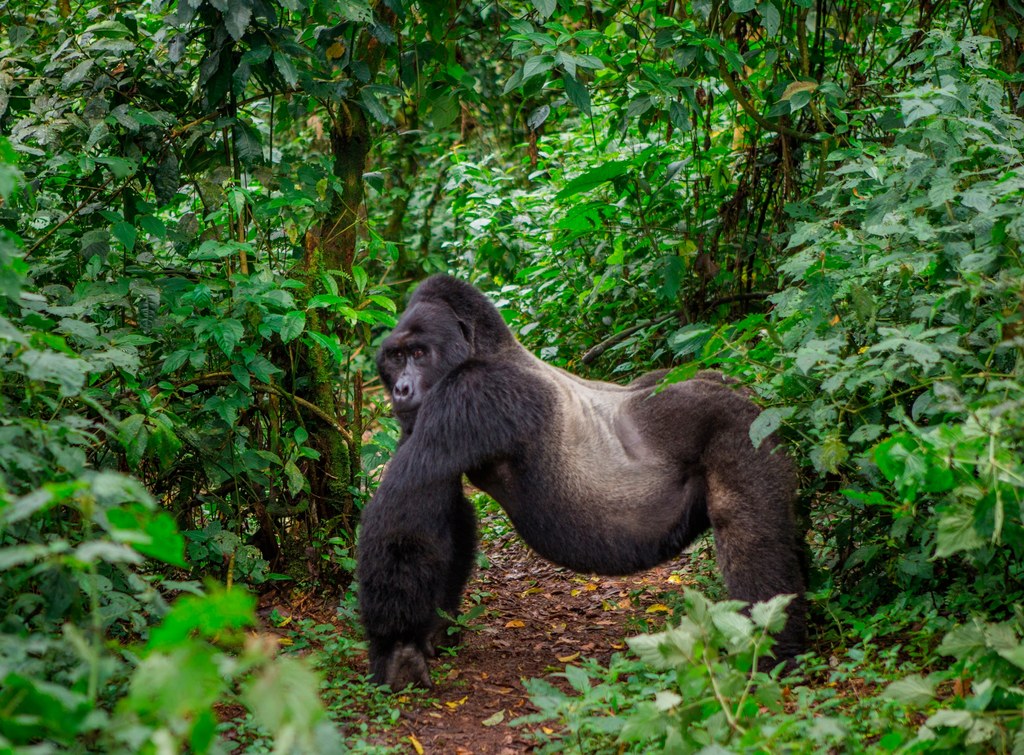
[(331, 250)]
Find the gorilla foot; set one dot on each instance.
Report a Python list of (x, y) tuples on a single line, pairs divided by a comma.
[(405, 665)]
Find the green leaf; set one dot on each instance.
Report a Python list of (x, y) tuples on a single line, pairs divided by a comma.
[(741, 6), (577, 678), (771, 614), (373, 106), (292, 325), (227, 334), (595, 177), (577, 94), (286, 66), (957, 532), (536, 65), (66, 372), (545, 7), (284, 698), (121, 167), (126, 233), (912, 690), (208, 615), (767, 422), (161, 540), (133, 435), (236, 18), (771, 20)]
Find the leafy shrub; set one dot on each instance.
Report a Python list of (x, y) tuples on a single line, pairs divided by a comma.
[(78, 544), (710, 696), (893, 358)]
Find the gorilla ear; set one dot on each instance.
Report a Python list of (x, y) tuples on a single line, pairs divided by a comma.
[(467, 330)]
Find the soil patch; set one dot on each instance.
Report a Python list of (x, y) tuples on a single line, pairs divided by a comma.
[(539, 618)]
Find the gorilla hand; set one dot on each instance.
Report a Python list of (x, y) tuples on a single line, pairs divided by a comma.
[(406, 664)]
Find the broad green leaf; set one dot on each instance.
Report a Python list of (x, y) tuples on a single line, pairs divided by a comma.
[(207, 615), (545, 7), (126, 233), (236, 19), (227, 334), (771, 614), (578, 95), (767, 422), (286, 66), (292, 326), (957, 532), (595, 177), (161, 539), (771, 19), (912, 690)]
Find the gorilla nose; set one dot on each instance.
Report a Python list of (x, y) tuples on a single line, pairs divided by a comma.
[(402, 393)]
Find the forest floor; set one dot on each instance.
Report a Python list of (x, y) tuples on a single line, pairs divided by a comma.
[(536, 619)]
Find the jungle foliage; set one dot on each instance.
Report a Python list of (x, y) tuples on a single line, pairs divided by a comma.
[(212, 209)]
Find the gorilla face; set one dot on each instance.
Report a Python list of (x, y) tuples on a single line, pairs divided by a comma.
[(428, 343)]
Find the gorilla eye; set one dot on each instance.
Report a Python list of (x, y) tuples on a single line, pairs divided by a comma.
[(418, 353)]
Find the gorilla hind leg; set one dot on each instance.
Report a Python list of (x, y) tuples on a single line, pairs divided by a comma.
[(756, 537)]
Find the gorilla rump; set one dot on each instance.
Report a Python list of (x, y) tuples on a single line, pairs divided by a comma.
[(597, 477)]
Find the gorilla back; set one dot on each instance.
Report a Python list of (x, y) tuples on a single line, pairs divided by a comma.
[(595, 476)]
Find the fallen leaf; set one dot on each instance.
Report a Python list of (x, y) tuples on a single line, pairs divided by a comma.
[(456, 703), (546, 730), (658, 608), (531, 591), (515, 624), (415, 744), (674, 579), (567, 658), (494, 720)]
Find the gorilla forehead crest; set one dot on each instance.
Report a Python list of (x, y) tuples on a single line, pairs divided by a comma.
[(598, 477)]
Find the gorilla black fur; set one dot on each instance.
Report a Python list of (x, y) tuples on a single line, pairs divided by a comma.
[(597, 477)]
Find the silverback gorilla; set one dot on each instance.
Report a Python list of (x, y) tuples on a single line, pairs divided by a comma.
[(597, 477)]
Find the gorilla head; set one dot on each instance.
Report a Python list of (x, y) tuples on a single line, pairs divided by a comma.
[(429, 342)]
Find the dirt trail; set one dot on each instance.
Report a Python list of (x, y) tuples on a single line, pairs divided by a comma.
[(539, 618)]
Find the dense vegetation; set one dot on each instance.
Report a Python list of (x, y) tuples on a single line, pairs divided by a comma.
[(211, 210)]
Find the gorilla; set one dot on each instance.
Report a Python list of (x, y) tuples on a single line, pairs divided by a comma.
[(597, 477)]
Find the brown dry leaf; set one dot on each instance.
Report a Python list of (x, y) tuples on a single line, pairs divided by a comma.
[(567, 658), (415, 744), (515, 624)]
